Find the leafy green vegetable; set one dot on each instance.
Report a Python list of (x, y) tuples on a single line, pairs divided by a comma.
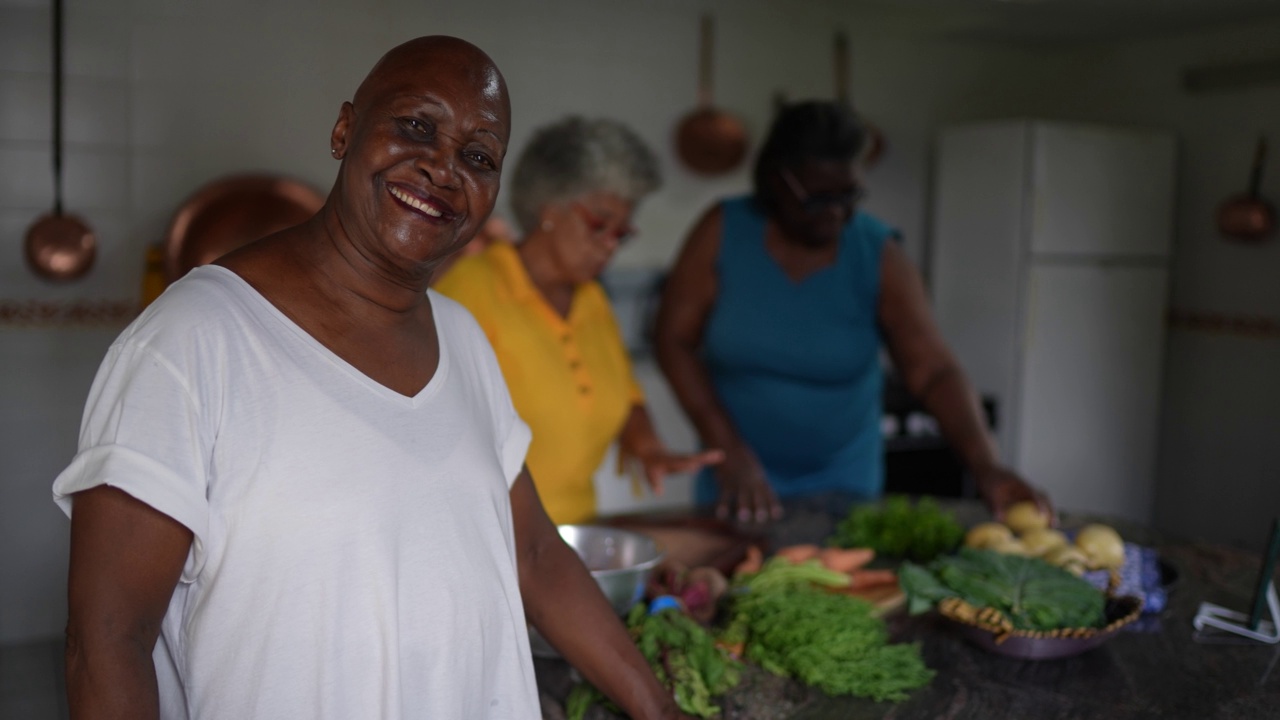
[(1033, 594), (778, 572), (832, 641), (922, 588), (898, 529), (684, 657)]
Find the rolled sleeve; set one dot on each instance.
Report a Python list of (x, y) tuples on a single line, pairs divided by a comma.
[(143, 434), (147, 481)]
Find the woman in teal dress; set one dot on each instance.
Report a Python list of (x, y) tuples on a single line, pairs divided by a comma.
[(771, 325)]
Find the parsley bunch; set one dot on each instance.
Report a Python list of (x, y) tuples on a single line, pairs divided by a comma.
[(898, 529), (826, 640)]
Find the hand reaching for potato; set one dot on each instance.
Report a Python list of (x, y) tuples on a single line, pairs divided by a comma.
[(1003, 489)]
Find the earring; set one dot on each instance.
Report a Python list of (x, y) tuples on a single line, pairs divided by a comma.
[(334, 151)]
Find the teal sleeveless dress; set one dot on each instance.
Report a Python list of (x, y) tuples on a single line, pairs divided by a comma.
[(797, 364)]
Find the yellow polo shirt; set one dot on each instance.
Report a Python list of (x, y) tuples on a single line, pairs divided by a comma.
[(570, 378)]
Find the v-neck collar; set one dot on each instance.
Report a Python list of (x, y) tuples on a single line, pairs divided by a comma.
[(411, 401), (782, 271)]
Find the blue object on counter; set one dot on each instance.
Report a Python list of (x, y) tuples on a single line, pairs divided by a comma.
[(1140, 576), (665, 602)]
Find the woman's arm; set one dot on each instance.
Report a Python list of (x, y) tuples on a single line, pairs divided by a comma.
[(933, 376), (687, 298), (126, 558), (565, 604)]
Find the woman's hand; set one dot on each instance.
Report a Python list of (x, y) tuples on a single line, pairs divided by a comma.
[(639, 441), (659, 462), (744, 488), (1002, 488)]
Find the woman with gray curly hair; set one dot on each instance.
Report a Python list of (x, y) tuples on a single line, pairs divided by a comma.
[(574, 190)]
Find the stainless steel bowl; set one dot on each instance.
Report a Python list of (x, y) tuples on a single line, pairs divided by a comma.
[(619, 560)]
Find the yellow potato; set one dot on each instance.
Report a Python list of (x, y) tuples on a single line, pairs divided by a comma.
[(1041, 540), (984, 535), (1011, 547), (1024, 517), (1069, 558), (1103, 546)]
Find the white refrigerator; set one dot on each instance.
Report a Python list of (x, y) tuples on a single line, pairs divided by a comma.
[(1049, 276)]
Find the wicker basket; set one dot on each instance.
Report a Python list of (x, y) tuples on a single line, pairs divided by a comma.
[(990, 628)]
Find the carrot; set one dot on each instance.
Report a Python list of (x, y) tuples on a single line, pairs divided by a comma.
[(752, 563), (796, 554), (860, 579), (734, 649), (846, 560)]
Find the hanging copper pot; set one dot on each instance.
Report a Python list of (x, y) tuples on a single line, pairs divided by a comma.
[(709, 140), (58, 246), (230, 212), (873, 145), (1248, 217)]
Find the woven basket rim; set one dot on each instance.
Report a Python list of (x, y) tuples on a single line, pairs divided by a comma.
[(995, 622)]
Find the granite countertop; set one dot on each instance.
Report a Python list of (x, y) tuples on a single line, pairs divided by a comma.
[(1154, 669)]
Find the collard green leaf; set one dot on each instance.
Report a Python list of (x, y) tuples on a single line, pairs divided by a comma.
[(922, 588), (1033, 594)]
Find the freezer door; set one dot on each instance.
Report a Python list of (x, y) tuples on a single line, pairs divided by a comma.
[(978, 238), (1091, 385), (1101, 191)]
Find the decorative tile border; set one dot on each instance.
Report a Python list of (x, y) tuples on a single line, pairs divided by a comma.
[(67, 313), (1254, 326), (105, 311)]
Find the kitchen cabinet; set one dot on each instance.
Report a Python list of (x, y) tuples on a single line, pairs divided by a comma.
[(1049, 278)]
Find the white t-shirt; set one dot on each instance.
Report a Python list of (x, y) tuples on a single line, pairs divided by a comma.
[(354, 553)]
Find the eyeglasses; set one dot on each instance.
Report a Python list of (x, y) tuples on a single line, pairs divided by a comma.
[(814, 203), (603, 228)]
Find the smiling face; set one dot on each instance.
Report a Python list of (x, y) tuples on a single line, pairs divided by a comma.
[(422, 146)]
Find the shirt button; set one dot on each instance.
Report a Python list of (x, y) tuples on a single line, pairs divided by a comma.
[(584, 390), (566, 338), (574, 364)]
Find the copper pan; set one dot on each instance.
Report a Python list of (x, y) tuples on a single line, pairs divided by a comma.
[(1248, 217), (58, 246), (231, 212), (709, 140)]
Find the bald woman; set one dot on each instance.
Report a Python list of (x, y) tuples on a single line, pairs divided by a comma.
[(300, 488)]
